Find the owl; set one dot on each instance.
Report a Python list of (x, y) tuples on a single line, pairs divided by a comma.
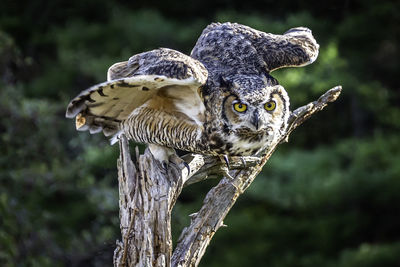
[(221, 100)]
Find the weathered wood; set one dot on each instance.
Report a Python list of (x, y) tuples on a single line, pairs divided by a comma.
[(148, 193)]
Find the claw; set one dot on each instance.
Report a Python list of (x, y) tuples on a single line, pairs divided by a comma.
[(243, 162), (187, 166), (225, 170), (180, 163), (224, 158), (165, 165)]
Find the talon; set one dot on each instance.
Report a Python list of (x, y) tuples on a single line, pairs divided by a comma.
[(179, 163), (225, 159), (243, 162), (187, 166), (165, 165)]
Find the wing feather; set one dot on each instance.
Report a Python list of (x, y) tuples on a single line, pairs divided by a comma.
[(133, 83), (249, 49)]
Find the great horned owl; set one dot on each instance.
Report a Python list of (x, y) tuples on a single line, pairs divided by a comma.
[(220, 100)]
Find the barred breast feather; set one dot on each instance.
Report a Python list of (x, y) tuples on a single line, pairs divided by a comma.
[(154, 126)]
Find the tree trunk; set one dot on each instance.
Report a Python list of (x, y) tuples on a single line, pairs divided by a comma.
[(147, 194)]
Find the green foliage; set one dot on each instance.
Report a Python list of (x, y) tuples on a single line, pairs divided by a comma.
[(328, 198), (51, 202)]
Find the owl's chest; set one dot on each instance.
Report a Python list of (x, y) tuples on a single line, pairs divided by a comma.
[(247, 146), (238, 143)]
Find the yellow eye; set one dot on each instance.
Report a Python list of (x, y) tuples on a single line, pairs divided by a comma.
[(240, 107), (270, 106)]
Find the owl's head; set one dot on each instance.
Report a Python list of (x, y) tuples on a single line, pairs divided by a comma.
[(255, 104)]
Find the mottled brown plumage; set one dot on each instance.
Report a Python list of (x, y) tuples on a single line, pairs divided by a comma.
[(220, 100)]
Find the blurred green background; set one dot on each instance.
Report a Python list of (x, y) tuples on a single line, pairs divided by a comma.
[(329, 197)]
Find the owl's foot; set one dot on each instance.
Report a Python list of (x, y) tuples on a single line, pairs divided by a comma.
[(166, 155), (161, 154), (180, 163), (242, 162), (236, 162)]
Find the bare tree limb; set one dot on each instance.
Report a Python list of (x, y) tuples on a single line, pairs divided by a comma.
[(148, 194)]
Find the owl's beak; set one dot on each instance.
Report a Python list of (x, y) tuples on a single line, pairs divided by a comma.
[(255, 120)]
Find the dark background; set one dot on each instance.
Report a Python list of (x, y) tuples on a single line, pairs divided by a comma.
[(330, 197)]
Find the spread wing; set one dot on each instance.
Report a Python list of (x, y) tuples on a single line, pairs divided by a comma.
[(132, 83), (237, 47), (295, 48)]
